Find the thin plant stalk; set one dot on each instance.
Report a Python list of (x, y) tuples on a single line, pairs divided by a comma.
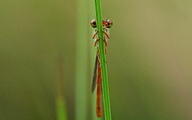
[(81, 61), (93, 51), (106, 100), (60, 101), (61, 108)]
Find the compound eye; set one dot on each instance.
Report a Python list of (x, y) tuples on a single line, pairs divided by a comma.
[(109, 23), (93, 23)]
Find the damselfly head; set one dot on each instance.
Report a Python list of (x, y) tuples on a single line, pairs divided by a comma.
[(109, 23), (93, 23)]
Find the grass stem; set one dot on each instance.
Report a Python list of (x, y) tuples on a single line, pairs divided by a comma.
[(81, 61), (106, 100)]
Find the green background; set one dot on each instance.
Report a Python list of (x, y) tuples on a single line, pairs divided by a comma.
[(149, 58)]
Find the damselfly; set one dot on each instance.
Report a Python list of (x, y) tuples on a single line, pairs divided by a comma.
[(97, 72)]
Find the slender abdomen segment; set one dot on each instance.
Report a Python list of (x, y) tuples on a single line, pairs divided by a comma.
[(98, 102)]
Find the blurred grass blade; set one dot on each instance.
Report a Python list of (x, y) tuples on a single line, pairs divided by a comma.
[(60, 102), (61, 111), (92, 56), (81, 61), (107, 109)]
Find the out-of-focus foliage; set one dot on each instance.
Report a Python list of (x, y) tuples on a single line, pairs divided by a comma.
[(149, 58)]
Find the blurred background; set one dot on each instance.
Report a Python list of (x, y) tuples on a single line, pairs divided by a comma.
[(149, 58)]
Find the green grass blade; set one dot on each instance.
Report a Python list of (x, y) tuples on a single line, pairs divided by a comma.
[(61, 111), (81, 61), (93, 52), (107, 109), (60, 101)]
